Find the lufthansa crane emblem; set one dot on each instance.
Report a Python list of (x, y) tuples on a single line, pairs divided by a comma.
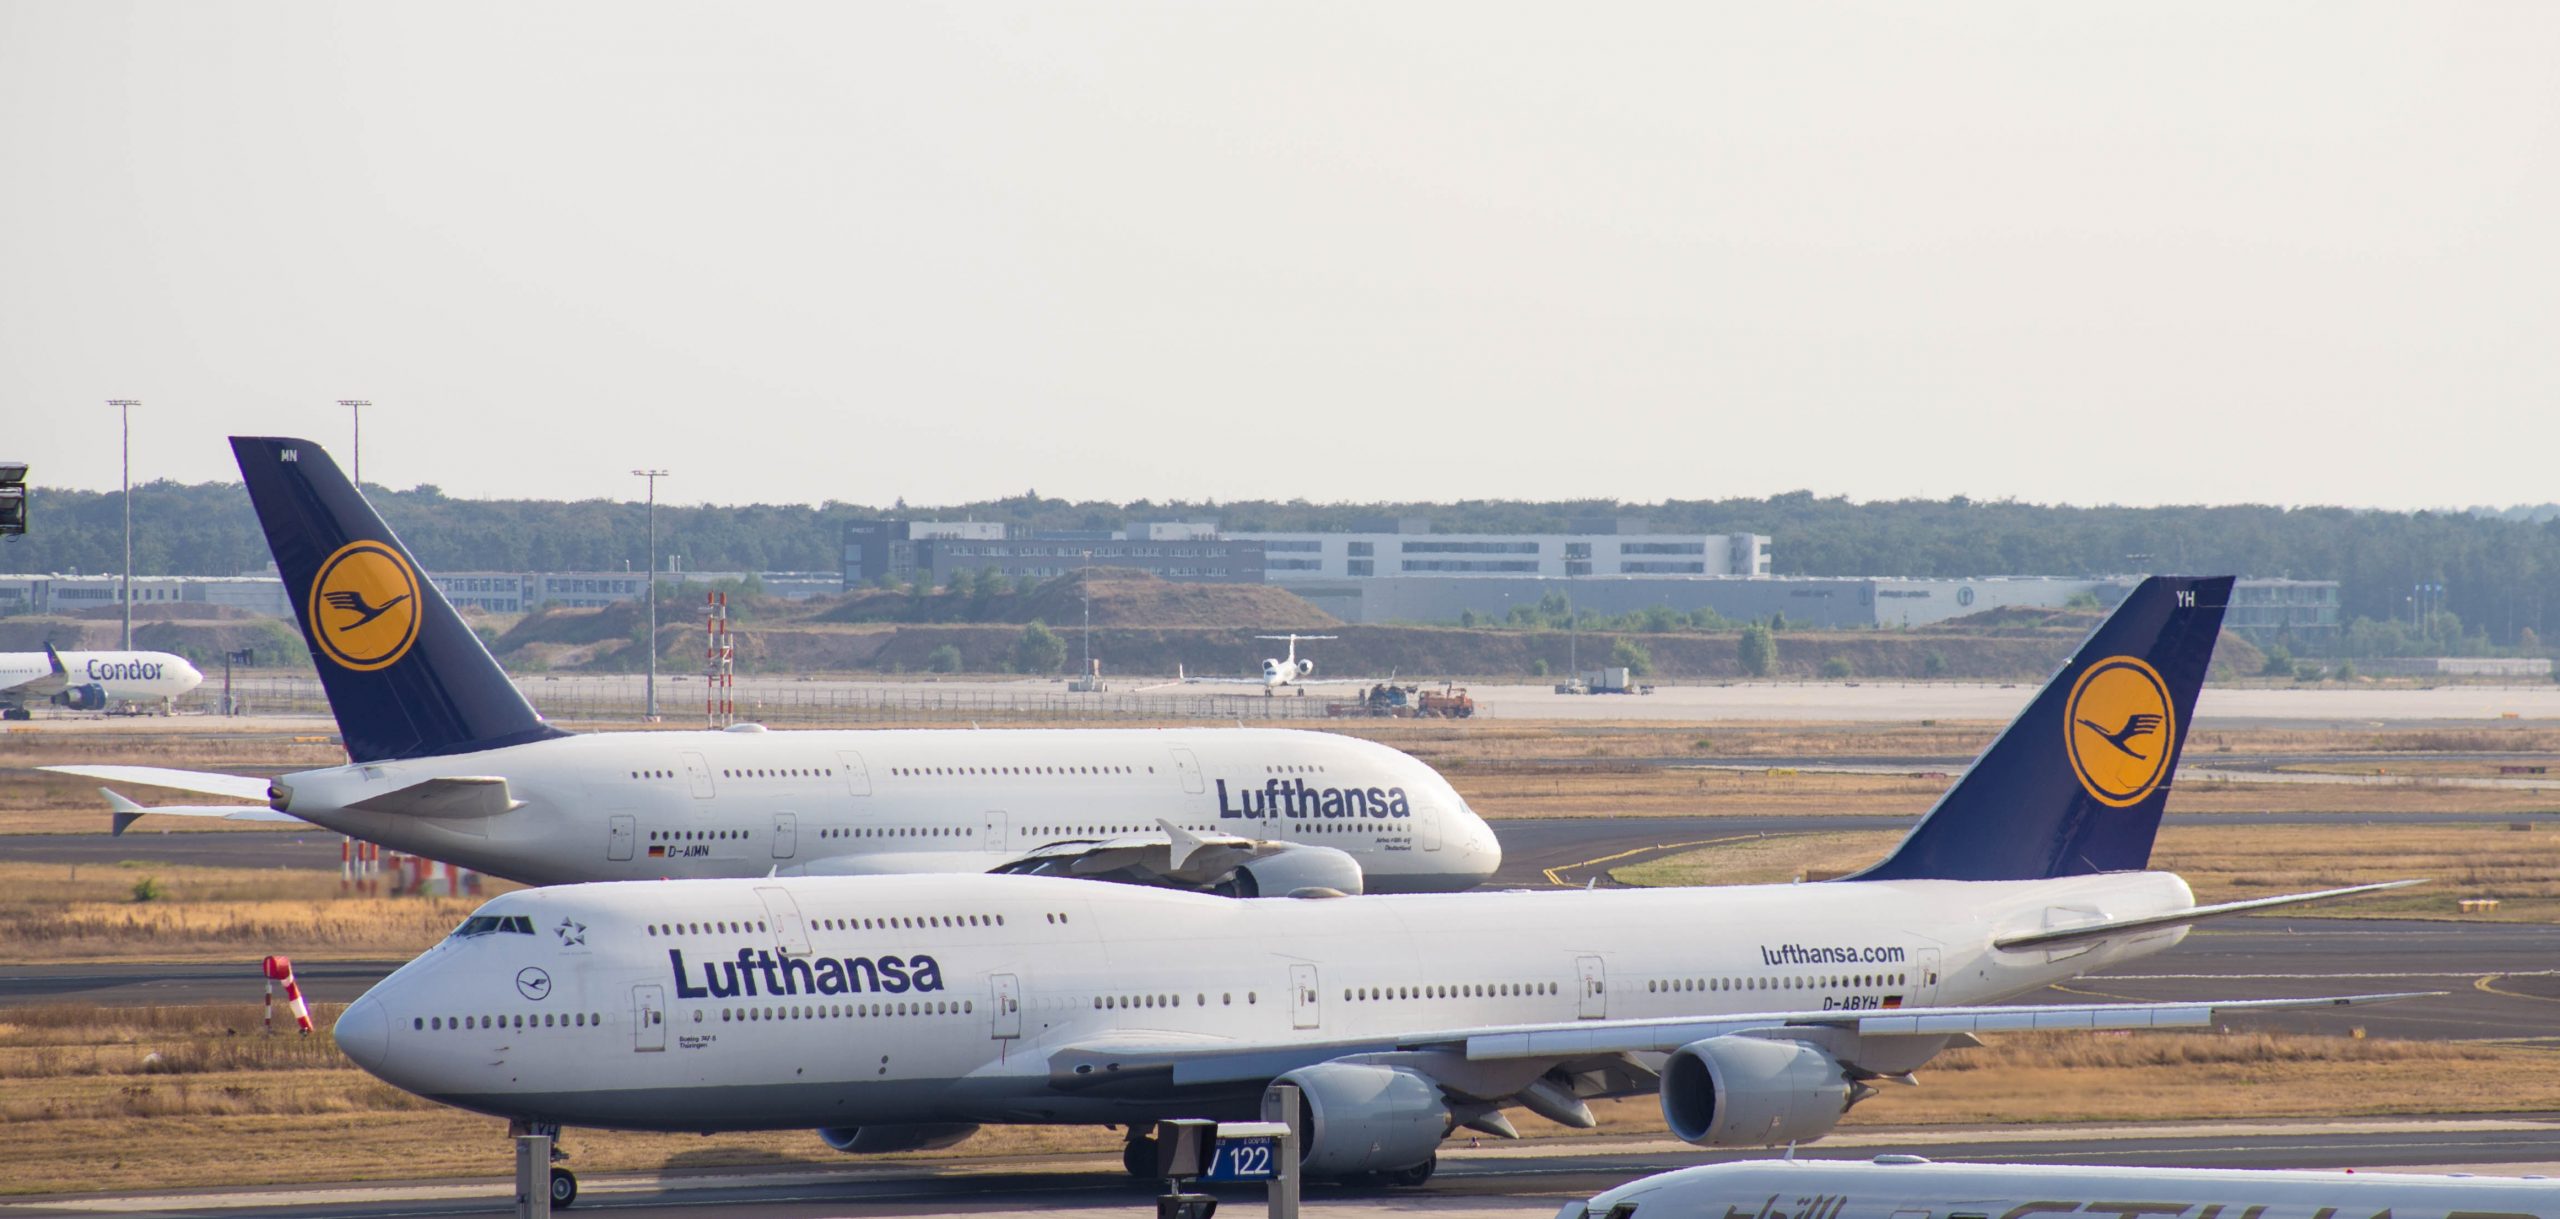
[(364, 606), (2118, 728)]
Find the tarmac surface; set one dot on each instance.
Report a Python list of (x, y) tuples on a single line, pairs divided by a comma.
[(1492, 1179)]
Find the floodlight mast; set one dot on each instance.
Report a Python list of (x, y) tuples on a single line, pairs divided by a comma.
[(653, 476), (124, 406), (355, 408)]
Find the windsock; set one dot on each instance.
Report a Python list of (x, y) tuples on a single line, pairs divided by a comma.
[(280, 969)]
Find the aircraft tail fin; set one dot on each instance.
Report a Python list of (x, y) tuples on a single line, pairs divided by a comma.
[(405, 675), (2077, 783)]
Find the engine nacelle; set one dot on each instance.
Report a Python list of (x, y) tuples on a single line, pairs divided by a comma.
[(1358, 1117), (873, 1140), (1306, 667), (83, 698), (1752, 1092), (1292, 866)]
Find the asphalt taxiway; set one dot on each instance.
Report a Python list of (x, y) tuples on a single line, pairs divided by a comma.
[(1489, 1178)]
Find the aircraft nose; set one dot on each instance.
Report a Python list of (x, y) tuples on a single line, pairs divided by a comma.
[(364, 1033)]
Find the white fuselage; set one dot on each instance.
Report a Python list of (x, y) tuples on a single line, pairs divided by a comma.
[(141, 678), (649, 805), (1884, 1189), (655, 1006)]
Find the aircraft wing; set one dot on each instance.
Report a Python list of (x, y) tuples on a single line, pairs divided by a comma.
[(2179, 918), (1176, 854), (53, 681), (238, 787), (127, 812), (1187, 1063)]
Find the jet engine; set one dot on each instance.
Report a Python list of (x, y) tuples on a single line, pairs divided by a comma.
[(1360, 1117), (1306, 667), (84, 698), (1751, 1092), (872, 1140), (1292, 866)]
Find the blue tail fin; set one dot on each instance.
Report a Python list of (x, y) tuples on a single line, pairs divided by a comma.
[(405, 676), (2077, 783)]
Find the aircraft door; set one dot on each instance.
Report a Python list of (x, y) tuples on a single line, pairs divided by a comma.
[(1427, 824), (1594, 975), (1007, 1003), (648, 1019), (786, 835), (1304, 998), (1924, 977), (997, 831), (618, 840), (857, 776), (1188, 764), (790, 931), (696, 772)]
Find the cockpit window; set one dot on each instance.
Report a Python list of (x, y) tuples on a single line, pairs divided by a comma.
[(488, 924)]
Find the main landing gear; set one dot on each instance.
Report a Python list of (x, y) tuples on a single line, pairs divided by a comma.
[(564, 1183), (1138, 1155)]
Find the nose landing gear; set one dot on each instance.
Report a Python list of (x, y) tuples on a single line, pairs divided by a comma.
[(562, 1182)]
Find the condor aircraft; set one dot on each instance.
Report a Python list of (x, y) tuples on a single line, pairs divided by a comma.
[(1909, 1186), (92, 681), (898, 1012), (447, 760)]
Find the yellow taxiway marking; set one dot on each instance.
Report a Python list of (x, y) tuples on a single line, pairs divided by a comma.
[(2484, 984)]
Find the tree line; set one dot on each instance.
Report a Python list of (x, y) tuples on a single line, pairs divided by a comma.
[(2500, 574)]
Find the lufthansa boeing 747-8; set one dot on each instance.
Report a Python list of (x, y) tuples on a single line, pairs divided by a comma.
[(898, 1012)]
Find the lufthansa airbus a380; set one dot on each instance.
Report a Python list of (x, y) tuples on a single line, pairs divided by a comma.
[(898, 1012), (1909, 1187), (448, 760)]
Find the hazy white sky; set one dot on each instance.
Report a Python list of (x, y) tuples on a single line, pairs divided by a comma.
[(2134, 253)]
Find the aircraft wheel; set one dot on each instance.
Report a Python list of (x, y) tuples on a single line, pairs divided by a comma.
[(564, 1188), (1415, 1174), (17, 713), (1139, 1157)]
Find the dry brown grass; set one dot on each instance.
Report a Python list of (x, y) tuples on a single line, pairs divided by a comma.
[(66, 912)]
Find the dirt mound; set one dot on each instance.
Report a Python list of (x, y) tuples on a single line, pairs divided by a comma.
[(1136, 598), (1120, 599), (2024, 619)]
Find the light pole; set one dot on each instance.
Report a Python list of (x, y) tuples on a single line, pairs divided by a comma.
[(124, 406), (355, 408), (653, 476)]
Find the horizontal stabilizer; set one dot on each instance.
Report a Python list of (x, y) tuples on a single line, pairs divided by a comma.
[(453, 797), (2175, 918), (238, 787), (127, 812)]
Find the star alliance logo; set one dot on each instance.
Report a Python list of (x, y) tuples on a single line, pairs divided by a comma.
[(571, 933)]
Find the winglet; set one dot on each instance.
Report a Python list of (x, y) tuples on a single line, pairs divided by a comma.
[(1184, 843), (125, 812)]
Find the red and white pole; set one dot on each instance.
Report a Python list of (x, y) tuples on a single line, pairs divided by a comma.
[(279, 969)]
